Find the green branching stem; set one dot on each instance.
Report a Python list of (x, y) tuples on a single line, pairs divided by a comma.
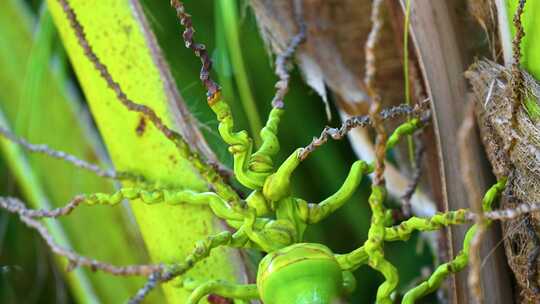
[(442, 272), (202, 250), (374, 246), (271, 219), (172, 197), (461, 260), (277, 186), (261, 161), (352, 260), (404, 129), (403, 231), (318, 212), (406, 76)]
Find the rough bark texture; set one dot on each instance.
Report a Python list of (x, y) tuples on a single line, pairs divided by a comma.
[(493, 95)]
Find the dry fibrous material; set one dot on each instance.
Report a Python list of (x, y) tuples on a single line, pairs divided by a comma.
[(513, 148), (329, 64), (326, 59)]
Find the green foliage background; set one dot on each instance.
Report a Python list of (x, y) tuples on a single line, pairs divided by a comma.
[(26, 264)]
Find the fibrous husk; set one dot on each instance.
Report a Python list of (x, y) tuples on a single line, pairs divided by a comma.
[(492, 87)]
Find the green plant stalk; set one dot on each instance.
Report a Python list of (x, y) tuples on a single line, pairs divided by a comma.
[(330, 166), (462, 259), (229, 18), (530, 46), (117, 36), (374, 246), (410, 143), (31, 188), (59, 125)]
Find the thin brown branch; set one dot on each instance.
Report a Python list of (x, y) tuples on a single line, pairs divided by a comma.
[(369, 79), (371, 43), (11, 205), (351, 123), (466, 161), (115, 86), (474, 279), (407, 196), (520, 33), (15, 206), (283, 60), (150, 285), (77, 162), (198, 48), (517, 77)]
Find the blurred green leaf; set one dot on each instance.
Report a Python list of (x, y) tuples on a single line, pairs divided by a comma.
[(32, 98), (117, 32)]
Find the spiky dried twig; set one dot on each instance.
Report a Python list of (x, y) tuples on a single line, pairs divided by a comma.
[(507, 214), (354, 122), (155, 273), (11, 205), (283, 59), (172, 135), (198, 48)]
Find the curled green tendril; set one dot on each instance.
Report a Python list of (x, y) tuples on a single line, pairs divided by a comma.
[(407, 128), (461, 260), (403, 231), (277, 186), (261, 161), (374, 246), (219, 206), (251, 170)]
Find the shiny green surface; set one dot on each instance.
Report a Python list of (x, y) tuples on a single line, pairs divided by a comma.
[(300, 274)]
